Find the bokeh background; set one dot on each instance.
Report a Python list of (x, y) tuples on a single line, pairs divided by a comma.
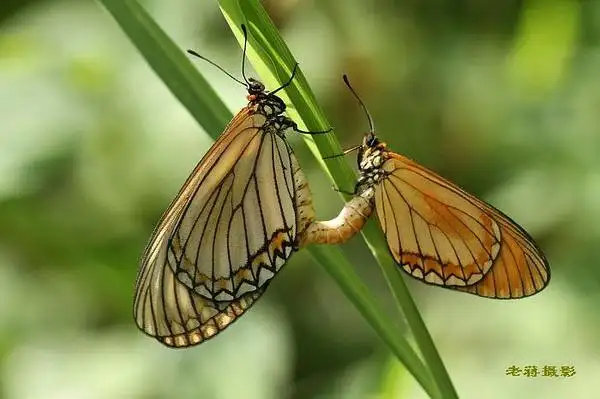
[(501, 97)]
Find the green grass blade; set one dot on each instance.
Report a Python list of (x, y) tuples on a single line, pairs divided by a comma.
[(337, 266), (410, 311), (274, 62)]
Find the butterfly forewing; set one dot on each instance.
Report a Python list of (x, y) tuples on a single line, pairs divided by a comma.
[(442, 235), (234, 223), (434, 230)]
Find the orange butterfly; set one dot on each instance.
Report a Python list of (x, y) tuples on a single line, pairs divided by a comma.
[(437, 232)]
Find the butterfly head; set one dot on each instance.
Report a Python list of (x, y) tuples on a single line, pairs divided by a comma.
[(370, 140), (256, 89), (267, 104), (371, 147)]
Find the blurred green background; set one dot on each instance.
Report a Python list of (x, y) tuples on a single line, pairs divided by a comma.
[(501, 97)]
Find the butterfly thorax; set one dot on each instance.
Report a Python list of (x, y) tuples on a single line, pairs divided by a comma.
[(370, 166), (279, 124), (270, 106), (266, 104)]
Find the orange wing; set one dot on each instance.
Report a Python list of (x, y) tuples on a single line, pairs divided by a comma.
[(442, 235)]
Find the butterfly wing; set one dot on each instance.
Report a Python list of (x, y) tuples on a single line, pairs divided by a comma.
[(442, 235), (233, 225), (519, 271), (229, 230), (169, 311), (232, 239)]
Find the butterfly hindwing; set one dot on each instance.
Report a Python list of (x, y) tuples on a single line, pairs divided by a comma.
[(169, 311), (232, 240), (435, 231)]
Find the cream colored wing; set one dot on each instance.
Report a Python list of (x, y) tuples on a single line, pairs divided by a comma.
[(233, 240), (221, 241), (234, 223), (177, 317)]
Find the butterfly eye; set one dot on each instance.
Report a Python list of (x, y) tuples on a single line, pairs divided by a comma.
[(372, 140), (255, 86)]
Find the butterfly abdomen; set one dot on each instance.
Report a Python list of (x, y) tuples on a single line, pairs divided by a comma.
[(344, 226), (305, 212)]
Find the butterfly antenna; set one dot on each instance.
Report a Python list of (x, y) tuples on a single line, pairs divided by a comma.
[(244, 54), (286, 84), (195, 54), (362, 105)]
